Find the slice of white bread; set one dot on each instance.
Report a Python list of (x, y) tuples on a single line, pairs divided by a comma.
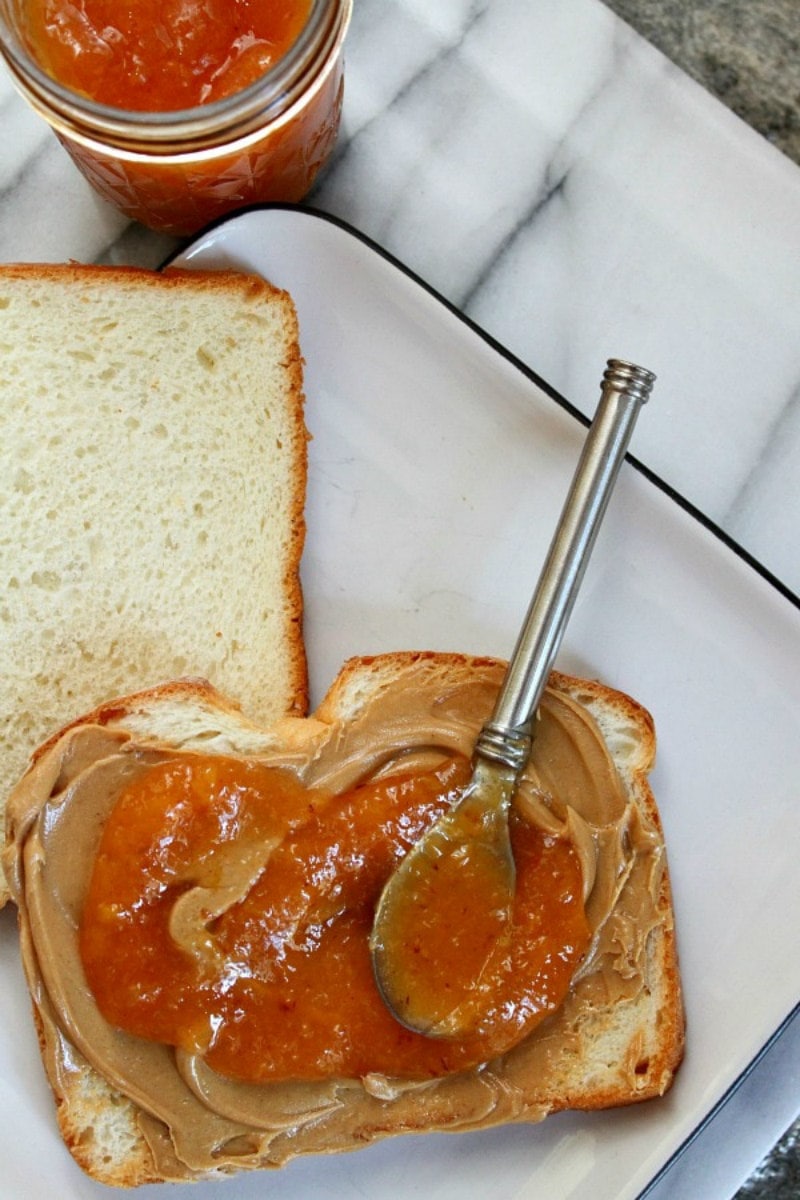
[(152, 490), (607, 1047)]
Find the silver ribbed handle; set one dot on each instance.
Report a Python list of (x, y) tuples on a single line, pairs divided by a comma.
[(506, 736)]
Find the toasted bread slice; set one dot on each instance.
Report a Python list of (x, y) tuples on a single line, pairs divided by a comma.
[(617, 1039), (152, 483)]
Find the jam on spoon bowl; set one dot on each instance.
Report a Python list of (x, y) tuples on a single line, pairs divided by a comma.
[(462, 868)]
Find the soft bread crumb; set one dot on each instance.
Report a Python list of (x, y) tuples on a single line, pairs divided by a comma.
[(152, 483)]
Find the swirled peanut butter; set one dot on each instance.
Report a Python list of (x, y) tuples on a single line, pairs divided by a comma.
[(227, 901), (198, 1118)]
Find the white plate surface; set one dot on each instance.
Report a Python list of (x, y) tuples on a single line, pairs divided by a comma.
[(438, 468)]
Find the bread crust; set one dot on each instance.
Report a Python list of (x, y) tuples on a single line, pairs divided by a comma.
[(629, 1050)]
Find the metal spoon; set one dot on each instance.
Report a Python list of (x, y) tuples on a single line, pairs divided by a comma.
[(462, 870)]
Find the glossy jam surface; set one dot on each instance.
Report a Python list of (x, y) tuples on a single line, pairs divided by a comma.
[(229, 912), (162, 55), (443, 936)]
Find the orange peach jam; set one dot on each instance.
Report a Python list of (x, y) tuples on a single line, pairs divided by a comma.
[(162, 55), (179, 112), (229, 911)]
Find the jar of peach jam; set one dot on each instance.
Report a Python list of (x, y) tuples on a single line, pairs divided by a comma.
[(180, 111)]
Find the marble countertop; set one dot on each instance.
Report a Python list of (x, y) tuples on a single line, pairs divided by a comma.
[(745, 52), (578, 195)]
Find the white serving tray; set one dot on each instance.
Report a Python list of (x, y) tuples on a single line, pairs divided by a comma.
[(438, 468)]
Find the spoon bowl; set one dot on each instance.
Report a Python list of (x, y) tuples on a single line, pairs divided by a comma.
[(434, 986), (445, 916)]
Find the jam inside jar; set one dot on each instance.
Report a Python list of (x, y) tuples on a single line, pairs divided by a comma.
[(245, 98)]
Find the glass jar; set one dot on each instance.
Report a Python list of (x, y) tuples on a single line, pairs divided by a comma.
[(177, 171)]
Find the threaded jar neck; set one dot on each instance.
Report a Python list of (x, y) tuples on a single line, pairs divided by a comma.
[(193, 129)]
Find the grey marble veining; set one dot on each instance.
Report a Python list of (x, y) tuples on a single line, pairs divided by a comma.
[(531, 244), (567, 185)]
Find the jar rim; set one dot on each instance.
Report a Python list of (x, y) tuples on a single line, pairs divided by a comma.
[(256, 104)]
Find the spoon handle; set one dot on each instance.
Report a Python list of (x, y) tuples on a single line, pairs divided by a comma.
[(506, 737)]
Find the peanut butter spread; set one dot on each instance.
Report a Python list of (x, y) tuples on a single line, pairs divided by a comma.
[(198, 1122)]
